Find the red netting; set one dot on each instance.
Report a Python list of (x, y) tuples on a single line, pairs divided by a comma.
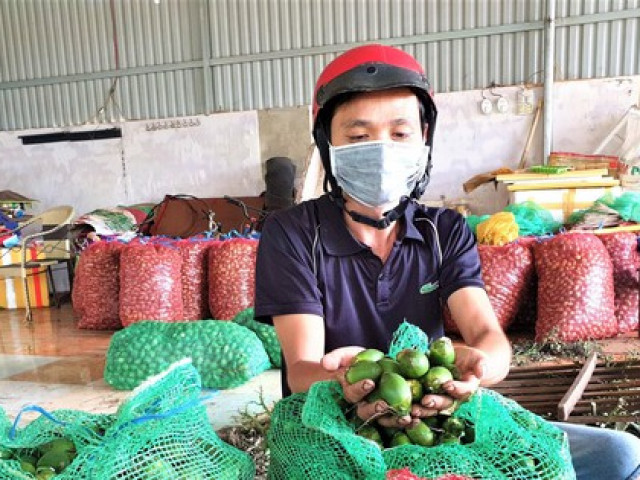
[(96, 287), (622, 248), (195, 282), (575, 289), (232, 265), (150, 283), (507, 272)]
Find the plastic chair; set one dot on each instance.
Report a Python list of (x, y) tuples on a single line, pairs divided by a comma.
[(54, 252)]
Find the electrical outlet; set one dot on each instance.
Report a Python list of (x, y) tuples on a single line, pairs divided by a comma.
[(486, 106), (502, 105)]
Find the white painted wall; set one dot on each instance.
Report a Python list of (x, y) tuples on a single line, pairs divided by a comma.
[(222, 156), (468, 142)]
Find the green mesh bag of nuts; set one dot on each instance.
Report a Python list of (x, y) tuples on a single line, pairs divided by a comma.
[(162, 432), (313, 435), (266, 334), (225, 354)]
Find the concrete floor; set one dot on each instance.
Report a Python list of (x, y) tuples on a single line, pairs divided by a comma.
[(54, 365)]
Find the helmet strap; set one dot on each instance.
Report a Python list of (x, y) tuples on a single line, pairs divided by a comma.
[(387, 219), (330, 184)]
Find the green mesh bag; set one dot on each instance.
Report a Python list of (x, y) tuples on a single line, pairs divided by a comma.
[(81, 428), (408, 336), (510, 443), (161, 433), (533, 219), (266, 334), (311, 437), (627, 205), (225, 354)]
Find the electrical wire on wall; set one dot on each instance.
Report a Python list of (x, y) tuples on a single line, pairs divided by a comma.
[(111, 98)]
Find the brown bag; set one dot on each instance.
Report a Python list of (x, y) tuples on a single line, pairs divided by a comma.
[(179, 216)]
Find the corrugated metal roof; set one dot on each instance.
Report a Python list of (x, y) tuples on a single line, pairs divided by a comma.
[(78, 61)]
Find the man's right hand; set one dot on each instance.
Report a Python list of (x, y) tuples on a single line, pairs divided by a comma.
[(338, 361)]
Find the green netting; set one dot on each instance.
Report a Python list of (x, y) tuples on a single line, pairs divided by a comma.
[(474, 220), (161, 433), (311, 437), (225, 354), (80, 427), (511, 443), (408, 336), (628, 206), (533, 219), (266, 333)]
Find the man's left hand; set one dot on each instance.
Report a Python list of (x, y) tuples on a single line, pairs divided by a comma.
[(471, 364)]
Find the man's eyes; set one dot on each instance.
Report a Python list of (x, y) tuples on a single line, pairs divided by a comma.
[(402, 135), (358, 138), (364, 137)]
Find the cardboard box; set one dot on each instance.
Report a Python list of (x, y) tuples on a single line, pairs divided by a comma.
[(12, 293), (562, 202)]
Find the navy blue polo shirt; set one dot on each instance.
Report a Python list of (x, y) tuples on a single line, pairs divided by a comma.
[(309, 263)]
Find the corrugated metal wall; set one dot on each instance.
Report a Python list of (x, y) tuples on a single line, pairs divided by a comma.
[(70, 62)]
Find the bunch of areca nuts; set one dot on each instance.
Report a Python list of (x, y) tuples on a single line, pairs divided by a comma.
[(404, 380)]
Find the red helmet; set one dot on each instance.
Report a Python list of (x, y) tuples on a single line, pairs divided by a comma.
[(365, 69)]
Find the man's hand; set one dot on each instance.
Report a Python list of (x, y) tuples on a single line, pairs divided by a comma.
[(471, 363), (338, 361)]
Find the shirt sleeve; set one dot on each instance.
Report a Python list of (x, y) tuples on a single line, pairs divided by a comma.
[(285, 280), (460, 260)]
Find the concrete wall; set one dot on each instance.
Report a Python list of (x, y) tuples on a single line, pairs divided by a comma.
[(225, 153), (469, 142)]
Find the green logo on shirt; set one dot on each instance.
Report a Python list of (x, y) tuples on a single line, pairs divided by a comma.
[(429, 287)]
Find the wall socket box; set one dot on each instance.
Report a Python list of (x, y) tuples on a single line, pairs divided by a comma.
[(525, 101)]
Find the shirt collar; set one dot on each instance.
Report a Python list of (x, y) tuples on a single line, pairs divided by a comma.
[(336, 238), (412, 232)]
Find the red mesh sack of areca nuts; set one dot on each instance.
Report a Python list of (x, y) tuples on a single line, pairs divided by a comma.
[(623, 250), (195, 281), (405, 474), (507, 271), (232, 265), (525, 320), (575, 289), (150, 283), (96, 287)]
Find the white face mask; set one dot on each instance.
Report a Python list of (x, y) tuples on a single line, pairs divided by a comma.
[(379, 173)]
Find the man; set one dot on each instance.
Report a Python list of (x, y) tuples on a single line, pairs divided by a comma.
[(342, 272)]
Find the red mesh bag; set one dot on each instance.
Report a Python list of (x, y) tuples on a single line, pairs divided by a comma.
[(507, 272), (194, 278), (96, 287), (623, 250), (575, 289), (401, 474), (405, 474), (232, 265), (525, 320), (150, 284)]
